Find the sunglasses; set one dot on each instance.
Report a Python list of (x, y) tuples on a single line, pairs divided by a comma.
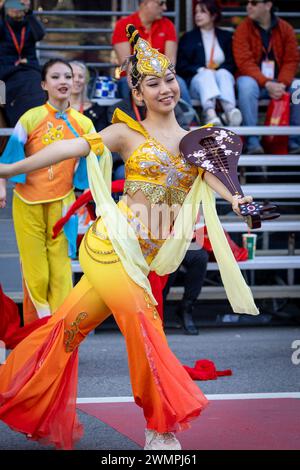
[(161, 2), (255, 2)]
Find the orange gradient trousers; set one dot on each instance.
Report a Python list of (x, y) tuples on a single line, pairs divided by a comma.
[(38, 384)]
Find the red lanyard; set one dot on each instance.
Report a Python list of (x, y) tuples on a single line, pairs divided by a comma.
[(19, 47), (81, 109), (267, 52), (136, 111), (212, 52)]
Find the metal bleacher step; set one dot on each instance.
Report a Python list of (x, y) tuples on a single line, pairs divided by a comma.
[(259, 292), (10, 273), (270, 160), (259, 263), (265, 263), (274, 191), (262, 130), (16, 296), (6, 213), (270, 226), (8, 244), (214, 292)]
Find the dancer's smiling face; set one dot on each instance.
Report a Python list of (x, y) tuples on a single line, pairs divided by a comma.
[(159, 94)]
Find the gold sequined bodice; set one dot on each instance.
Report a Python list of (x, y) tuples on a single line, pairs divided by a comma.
[(161, 176)]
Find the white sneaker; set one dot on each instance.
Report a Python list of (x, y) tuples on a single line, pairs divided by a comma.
[(233, 118), (212, 118), (157, 441)]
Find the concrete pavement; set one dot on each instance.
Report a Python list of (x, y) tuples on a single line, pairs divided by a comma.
[(260, 358)]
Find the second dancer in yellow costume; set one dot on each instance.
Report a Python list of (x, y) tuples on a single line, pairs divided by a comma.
[(149, 229), (44, 196)]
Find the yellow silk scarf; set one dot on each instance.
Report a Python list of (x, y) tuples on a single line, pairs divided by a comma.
[(173, 250)]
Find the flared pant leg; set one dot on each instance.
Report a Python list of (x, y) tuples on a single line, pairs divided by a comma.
[(38, 385), (160, 384)]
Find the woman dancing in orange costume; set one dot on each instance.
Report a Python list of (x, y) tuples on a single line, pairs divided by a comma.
[(38, 383)]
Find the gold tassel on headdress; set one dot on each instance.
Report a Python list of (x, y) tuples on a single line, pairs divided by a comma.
[(147, 61)]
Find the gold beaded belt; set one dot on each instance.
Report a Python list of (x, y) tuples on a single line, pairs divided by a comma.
[(95, 253)]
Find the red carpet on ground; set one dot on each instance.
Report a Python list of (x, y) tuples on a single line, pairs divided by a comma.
[(264, 424)]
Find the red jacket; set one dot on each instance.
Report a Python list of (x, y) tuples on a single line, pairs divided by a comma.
[(248, 50)]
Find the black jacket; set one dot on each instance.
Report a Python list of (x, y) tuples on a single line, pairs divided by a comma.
[(8, 54), (191, 53), (98, 116)]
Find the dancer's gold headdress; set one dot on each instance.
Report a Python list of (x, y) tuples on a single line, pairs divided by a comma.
[(146, 60)]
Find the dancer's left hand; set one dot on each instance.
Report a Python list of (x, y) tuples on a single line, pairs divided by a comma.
[(2, 196), (238, 200)]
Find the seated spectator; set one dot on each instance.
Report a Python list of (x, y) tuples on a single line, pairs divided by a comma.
[(159, 31), (80, 100), (205, 60), (266, 53), (195, 264), (19, 68)]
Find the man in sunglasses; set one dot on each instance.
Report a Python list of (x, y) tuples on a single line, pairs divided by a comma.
[(266, 53), (159, 31)]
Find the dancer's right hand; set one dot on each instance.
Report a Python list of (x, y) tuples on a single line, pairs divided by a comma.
[(5, 170), (2, 196)]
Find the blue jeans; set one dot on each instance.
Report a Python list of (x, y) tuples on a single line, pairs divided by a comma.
[(249, 93), (124, 91), (184, 91)]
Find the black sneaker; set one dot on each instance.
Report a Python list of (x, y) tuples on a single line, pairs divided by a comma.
[(185, 313)]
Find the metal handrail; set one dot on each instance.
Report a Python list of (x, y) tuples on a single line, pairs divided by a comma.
[(232, 30), (263, 130), (171, 14), (89, 47), (246, 130), (284, 14), (67, 47), (271, 190), (79, 30), (260, 262), (286, 161), (110, 30)]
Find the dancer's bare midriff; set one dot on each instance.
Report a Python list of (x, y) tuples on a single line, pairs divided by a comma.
[(158, 218)]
